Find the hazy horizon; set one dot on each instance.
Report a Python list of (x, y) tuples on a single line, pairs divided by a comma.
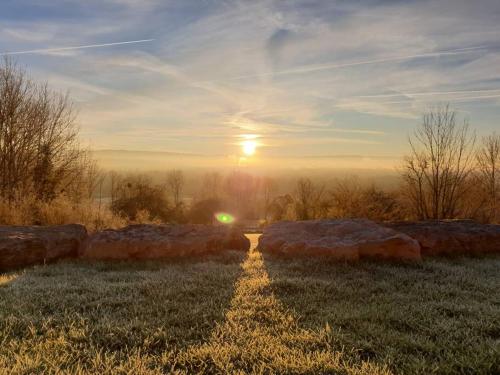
[(135, 160)]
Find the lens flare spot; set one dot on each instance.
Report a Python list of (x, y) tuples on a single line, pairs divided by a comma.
[(224, 218)]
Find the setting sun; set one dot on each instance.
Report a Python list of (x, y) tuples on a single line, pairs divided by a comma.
[(249, 147)]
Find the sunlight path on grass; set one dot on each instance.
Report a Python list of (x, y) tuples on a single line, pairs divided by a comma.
[(260, 336), (7, 278)]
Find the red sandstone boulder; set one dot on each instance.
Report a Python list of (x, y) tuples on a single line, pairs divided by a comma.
[(27, 245), (163, 241), (452, 237), (340, 239)]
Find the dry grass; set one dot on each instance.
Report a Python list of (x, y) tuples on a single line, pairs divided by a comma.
[(236, 313), (61, 210)]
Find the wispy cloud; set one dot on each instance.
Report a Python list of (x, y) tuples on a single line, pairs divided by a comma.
[(316, 68), (451, 100), (309, 77), (431, 93)]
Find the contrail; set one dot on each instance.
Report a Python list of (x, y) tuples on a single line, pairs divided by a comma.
[(461, 99), (428, 93), (315, 68), (59, 49)]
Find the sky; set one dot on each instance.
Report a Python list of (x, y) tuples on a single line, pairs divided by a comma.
[(332, 80)]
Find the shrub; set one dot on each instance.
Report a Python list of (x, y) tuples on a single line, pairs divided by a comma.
[(203, 212), (136, 198)]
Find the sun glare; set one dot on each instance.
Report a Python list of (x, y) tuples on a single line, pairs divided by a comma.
[(249, 147)]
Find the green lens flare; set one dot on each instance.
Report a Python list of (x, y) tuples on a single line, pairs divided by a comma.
[(224, 218)]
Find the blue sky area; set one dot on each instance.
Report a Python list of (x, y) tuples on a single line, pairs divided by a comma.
[(305, 78)]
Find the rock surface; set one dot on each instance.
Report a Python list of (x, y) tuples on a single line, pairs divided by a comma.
[(452, 237), (163, 241), (340, 239), (27, 245)]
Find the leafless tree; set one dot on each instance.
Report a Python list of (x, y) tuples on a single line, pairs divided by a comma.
[(440, 163), (268, 189), (211, 186), (279, 207), (353, 199), (175, 183), (304, 196), (347, 197), (39, 151), (114, 181), (488, 163), (85, 184), (310, 200)]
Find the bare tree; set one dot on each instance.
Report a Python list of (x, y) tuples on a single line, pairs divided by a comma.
[(347, 197), (175, 183), (268, 188), (279, 207), (84, 185), (310, 201), (488, 163), (304, 195), (114, 182), (436, 172), (39, 151), (211, 186)]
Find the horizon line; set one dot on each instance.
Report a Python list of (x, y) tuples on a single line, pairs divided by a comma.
[(178, 153)]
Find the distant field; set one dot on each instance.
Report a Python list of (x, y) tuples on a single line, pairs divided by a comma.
[(244, 313)]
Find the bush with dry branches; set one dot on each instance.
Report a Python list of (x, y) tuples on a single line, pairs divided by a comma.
[(436, 173)]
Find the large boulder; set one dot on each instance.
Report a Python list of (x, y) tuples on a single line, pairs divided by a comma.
[(452, 237), (163, 241), (340, 239), (27, 245)]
